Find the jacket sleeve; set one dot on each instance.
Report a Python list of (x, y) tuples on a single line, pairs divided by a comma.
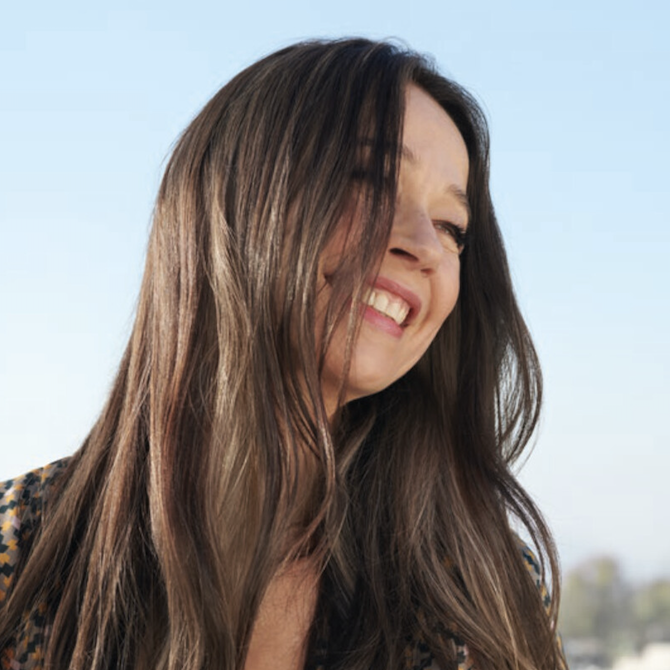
[(21, 505), (533, 567)]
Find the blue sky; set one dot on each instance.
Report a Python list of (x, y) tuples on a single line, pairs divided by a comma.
[(578, 97)]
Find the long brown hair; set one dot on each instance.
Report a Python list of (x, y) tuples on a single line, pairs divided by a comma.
[(169, 522)]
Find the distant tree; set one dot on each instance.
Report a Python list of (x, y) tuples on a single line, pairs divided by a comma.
[(651, 612), (596, 604), (602, 616)]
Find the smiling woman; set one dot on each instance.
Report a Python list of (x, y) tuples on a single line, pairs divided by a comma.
[(305, 457), (415, 287)]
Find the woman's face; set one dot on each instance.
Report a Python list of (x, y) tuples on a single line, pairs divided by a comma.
[(418, 280)]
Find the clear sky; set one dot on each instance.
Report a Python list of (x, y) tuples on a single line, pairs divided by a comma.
[(93, 95)]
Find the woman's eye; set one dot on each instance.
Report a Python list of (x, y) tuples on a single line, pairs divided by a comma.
[(455, 237)]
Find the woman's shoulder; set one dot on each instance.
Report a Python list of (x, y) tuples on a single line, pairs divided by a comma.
[(535, 570), (23, 498), (22, 502)]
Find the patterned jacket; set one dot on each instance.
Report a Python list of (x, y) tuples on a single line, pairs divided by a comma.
[(22, 503)]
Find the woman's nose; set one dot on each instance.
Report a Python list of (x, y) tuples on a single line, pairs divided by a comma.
[(414, 238)]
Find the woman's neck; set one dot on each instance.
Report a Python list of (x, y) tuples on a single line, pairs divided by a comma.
[(280, 635)]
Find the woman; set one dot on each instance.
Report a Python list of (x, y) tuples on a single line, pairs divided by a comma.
[(305, 457)]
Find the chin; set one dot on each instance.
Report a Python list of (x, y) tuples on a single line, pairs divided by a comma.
[(362, 383)]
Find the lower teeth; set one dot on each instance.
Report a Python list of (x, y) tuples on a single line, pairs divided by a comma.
[(386, 315)]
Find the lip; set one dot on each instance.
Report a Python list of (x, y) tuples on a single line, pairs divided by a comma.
[(411, 298)]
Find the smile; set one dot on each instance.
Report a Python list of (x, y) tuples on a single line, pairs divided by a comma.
[(388, 304)]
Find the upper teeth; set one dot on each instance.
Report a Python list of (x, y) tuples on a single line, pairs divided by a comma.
[(388, 304)]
